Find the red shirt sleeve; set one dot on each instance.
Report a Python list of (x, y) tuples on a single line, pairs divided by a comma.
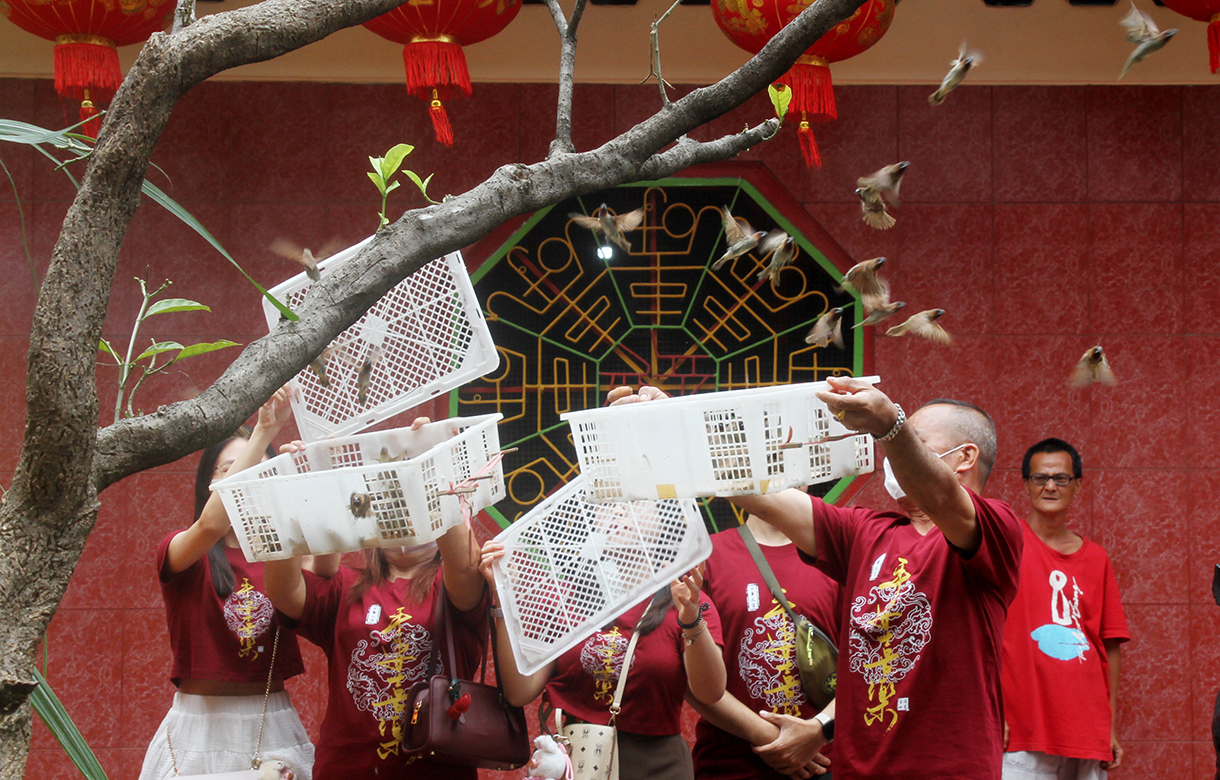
[(323, 600), (833, 530), (1113, 619), (998, 558)]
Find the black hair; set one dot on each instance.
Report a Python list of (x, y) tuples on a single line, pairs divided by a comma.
[(1050, 445), (976, 427), (377, 570), (222, 573), (657, 608)]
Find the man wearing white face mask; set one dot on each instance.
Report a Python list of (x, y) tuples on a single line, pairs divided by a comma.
[(925, 592)]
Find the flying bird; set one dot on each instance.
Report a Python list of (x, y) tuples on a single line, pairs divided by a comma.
[(299, 254), (1093, 367), (923, 324), (1143, 32), (862, 277), (828, 328), (366, 374), (319, 364), (882, 311), (782, 249), (739, 236), (610, 226), (958, 70), (870, 190)]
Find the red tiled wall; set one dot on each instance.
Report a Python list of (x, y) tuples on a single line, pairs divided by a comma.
[(1044, 219)]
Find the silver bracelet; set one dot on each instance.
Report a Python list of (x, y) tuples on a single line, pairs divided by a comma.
[(901, 421)]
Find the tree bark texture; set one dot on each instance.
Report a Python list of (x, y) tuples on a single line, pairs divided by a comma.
[(66, 461)]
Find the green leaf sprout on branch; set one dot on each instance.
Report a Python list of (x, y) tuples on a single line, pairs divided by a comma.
[(129, 366), (384, 169), (781, 97)]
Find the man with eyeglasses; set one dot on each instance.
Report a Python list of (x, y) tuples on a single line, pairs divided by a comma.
[(1062, 639)]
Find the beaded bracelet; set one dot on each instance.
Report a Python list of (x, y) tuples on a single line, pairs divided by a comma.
[(704, 607)]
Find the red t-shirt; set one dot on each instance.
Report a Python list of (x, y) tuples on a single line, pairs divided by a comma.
[(1056, 676), (758, 658), (918, 693), (585, 676), (226, 640), (377, 648)]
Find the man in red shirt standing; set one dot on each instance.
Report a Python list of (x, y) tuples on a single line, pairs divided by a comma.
[(1062, 640)]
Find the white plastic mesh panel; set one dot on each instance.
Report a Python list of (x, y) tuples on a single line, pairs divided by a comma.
[(255, 520), (432, 492), (599, 462), (864, 453), (773, 435), (301, 462), (726, 443), (346, 456), (820, 462), (821, 419), (388, 505)]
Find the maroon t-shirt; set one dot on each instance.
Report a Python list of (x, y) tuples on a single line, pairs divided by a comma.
[(228, 640), (918, 692), (377, 648), (759, 644), (585, 676), (1056, 676)]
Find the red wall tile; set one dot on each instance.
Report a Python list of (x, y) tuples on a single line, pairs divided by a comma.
[(1134, 268), (948, 146), (1041, 138), (1155, 707), (1149, 555), (1138, 160), (1041, 267)]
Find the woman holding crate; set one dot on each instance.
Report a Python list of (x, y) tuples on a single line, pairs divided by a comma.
[(230, 659), (677, 653), (375, 624)]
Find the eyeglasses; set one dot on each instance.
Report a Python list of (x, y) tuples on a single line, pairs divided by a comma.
[(1062, 480)]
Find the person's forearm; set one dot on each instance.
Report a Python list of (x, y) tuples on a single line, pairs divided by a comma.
[(704, 664), (933, 487), (729, 714), (519, 689), (460, 568), (1114, 656), (285, 586), (789, 511)]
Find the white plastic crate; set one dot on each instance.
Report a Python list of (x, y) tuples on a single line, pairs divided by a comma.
[(731, 443), (430, 334), (571, 566), (348, 493)]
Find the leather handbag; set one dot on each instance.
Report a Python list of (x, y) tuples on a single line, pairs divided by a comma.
[(461, 722), (593, 748), (817, 658)]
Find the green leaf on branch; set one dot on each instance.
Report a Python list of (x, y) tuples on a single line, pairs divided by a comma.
[(104, 346), (421, 183), (157, 348), (377, 180), (174, 304), (59, 723), (781, 97), (205, 347), (393, 159)]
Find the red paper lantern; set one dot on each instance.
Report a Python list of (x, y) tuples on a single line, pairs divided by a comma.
[(751, 23), (433, 33), (87, 34), (1203, 11)]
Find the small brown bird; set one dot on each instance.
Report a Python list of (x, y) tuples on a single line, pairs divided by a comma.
[(366, 374), (275, 769), (610, 226), (740, 236), (882, 311), (319, 365), (288, 249), (862, 277), (870, 190), (828, 328), (1146, 36), (1093, 367), (923, 324), (359, 503), (958, 70), (782, 249)]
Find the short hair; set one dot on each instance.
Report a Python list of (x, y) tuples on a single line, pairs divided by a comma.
[(1050, 445), (972, 425)]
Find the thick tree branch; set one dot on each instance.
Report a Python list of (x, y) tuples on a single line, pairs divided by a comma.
[(567, 70), (688, 152)]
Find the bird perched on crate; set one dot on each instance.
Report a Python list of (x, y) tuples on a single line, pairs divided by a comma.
[(1146, 36), (828, 328), (870, 190), (740, 236), (1093, 367), (957, 71), (611, 226), (275, 769), (550, 760), (781, 247), (923, 324)]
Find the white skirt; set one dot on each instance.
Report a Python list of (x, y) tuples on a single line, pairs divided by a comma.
[(218, 734)]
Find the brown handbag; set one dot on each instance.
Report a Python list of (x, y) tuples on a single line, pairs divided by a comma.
[(461, 722)]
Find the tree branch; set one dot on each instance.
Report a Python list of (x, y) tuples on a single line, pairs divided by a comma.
[(654, 40), (688, 152), (567, 70)]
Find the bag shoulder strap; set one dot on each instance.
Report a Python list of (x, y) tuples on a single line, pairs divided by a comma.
[(617, 705), (764, 568)]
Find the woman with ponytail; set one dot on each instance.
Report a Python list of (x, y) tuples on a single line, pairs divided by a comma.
[(224, 634)]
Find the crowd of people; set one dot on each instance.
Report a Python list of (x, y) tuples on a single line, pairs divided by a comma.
[(972, 644)]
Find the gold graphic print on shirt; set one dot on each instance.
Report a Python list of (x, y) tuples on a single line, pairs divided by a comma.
[(889, 627), (766, 659), (248, 615), (602, 659), (382, 671)]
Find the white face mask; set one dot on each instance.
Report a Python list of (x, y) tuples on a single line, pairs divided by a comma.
[(891, 482)]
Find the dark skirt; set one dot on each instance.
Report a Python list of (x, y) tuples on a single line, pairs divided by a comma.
[(654, 758)]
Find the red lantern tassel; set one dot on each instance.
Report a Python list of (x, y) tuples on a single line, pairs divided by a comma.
[(812, 90), (1213, 41), (86, 62), (809, 147), (440, 121), (88, 112), (433, 63)]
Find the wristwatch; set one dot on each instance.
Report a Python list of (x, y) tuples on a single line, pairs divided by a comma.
[(828, 724)]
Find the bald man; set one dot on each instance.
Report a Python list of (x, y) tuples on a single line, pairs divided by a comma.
[(925, 592)]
